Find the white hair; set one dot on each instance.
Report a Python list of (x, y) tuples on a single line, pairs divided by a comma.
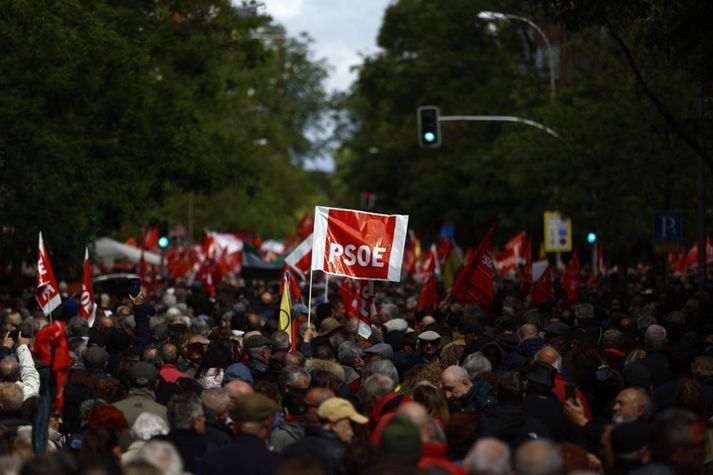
[(489, 456), (475, 364)]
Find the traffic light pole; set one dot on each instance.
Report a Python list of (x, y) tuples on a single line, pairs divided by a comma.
[(499, 118)]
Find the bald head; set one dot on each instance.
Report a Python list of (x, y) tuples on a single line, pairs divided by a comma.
[(549, 355), (488, 456), (313, 398), (455, 381), (428, 320), (526, 331), (538, 457)]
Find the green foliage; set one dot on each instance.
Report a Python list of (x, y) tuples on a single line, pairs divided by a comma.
[(617, 162), (108, 109)]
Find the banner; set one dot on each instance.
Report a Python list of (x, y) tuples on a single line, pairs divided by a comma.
[(570, 279), (474, 283), (428, 297), (359, 245), (543, 290), (300, 258), (87, 305), (285, 324), (46, 291)]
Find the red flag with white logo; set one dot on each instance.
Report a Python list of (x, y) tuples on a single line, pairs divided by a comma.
[(46, 291), (363, 306), (359, 245), (543, 290), (300, 258), (87, 305), (305, 226), (527, 268), (570, 279), (428, 297), (474, 283)]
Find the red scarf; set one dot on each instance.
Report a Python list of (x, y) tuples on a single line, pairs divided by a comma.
[(51, 349)]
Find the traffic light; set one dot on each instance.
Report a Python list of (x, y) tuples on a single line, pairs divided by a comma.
[(163, 240), (429, 128), (592, 237)]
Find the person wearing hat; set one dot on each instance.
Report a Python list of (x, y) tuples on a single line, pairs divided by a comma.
[(253, 414), (429, 346), (379, 351), (327, 442), (543, 404), (259, 349), (95, 360), (143, 378)]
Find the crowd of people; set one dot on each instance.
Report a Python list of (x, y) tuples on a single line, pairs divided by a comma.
[(619, 382)]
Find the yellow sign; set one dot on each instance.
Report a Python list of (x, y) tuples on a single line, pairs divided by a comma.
[(558, 233)]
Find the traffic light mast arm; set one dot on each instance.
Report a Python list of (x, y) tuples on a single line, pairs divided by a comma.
[(499, 118)]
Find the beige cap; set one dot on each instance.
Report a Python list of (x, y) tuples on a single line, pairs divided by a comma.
[(335, 409)]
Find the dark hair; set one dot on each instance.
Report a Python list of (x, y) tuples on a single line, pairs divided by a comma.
[(294, 401), (462, 432), (511, 387), (433, 400), (324, 310), (324, 379), (690, 396), (219, 355), (670, 428)]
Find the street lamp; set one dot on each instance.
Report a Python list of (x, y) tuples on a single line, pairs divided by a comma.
[(497, 16)]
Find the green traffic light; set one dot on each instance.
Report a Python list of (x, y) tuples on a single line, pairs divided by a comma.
[(591, 237), (163, 242), (429, 137)]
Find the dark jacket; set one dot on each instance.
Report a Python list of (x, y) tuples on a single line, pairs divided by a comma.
[(511, 422), (657, 363), (322, 446), (246, 455), (190, 445), (481, 396), (286, 435), (260, 371), (548, 410), (525, 349), (217, 434)]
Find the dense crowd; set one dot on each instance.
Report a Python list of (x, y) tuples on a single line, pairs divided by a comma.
[(619, 382)]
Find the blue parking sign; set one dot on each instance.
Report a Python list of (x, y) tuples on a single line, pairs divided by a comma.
[(668, 231)]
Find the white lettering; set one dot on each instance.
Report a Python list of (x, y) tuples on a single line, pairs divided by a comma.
[(376, 258), (363, 255), (349, 252), (335, 250)]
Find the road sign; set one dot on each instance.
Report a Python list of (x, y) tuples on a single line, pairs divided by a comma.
[(558, 233), (668, 231)]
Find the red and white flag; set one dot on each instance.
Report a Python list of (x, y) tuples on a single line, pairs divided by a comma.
[(428, 297), (527, 268), (474, 283), (543, 290), (363, 306), (300, 258), (570, 279), (46, 291), (359, 245), (87, 305)]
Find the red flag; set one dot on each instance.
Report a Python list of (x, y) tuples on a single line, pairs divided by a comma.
[(428, 297), (474, 283), (295, 289), (206, 275), (527, 268), (570, 279), (516, 243), (305, 226), (51, 349), (143, 270), (150, 238), (506, 261), (46, 291), (87, 307), (300, 258), (346, 292), (178, 261), (365, 307), (131, 241), (692, 256), (543, 290)]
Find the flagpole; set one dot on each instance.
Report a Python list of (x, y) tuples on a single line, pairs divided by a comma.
[(326, 287), (309, 301)]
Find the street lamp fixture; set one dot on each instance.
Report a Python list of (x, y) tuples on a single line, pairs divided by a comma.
[(498, 16)]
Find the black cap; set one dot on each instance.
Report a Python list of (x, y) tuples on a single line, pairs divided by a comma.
[(557, 329), (257, 341), (143, 374), (542, 374)]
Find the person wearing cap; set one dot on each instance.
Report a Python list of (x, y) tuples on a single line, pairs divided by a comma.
[(247, 454), (95, 360), (379, 351), (259, 350), (327, 442), (429, 346), (195, 351), (143, 378)]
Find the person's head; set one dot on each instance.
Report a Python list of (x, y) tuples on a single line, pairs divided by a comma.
[(429, 344), (456, 382), (219, 355), (385, 367), (462, 430), (655, 338), (337, 415), (293, 377), (258, 348), (237, 388), (152, 355), (538, 457), (9, 369), (476, 363), (147, 426), (185, 411), (293, 403), (433, 399), (690, 396), (216, 404), (526, 331), (294, 358), (10, 397), (348, 352), (631, 404), (702, 369), (549, 355), (143, 375), (488, 457), (313, 399), (678, 440), (511, 387), (280, 341), (253, 413), (162, 455), (389, 311), (375, 387), (169, 353)]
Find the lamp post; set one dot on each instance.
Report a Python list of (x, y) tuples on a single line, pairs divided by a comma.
[(497, 16)]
